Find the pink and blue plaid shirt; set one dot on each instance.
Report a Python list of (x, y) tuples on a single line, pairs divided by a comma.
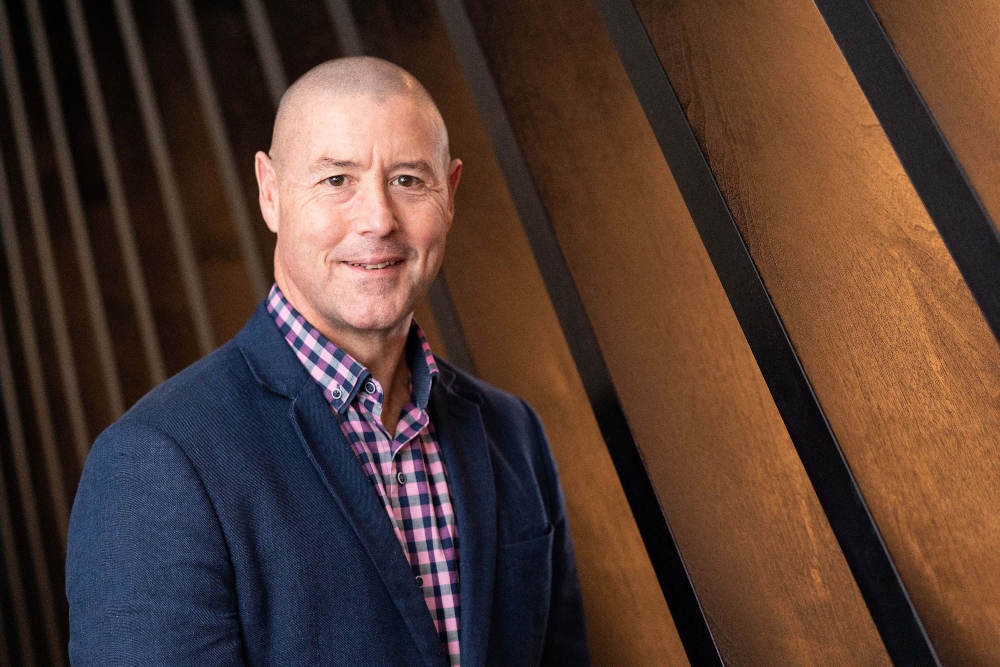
[(406, 468)]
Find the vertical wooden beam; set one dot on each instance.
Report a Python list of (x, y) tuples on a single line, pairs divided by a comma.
[(116, 192), (43, 247), (10, 423), (18, 444), (267, 49), (209, 101), (157, 140), (345, 27), (74, 208)]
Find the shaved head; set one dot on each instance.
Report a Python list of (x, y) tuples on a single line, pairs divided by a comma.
[(359, 76), (359, 187)]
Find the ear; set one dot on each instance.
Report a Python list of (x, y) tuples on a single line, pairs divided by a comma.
[(454, 174), (267, 187)]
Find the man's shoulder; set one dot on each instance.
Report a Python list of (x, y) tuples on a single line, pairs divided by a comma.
[(216, 385)]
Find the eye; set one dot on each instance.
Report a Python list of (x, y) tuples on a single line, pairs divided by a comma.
[(407, 181), (337, 181)]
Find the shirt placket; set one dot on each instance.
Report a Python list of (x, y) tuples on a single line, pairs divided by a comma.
[(389, 455)]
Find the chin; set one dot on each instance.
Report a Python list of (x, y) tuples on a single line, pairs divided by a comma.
[(376, 319)]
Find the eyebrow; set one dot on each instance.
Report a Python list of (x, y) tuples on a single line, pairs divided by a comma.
[(418, 165), (327, 163)]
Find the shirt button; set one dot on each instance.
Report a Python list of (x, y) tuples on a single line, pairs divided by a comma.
[(401, 478), (337, 393), (370, 387), (420, 582)]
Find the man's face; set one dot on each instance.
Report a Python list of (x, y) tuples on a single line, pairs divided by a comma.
[(365, 196)]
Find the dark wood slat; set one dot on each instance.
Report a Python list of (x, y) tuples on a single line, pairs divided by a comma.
[(668, 564), (824, 462)]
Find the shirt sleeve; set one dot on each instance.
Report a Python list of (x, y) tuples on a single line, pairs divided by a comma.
[(565, 640), (148, 575)]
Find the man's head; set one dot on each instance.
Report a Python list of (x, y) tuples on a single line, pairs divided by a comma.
[(359, 186)]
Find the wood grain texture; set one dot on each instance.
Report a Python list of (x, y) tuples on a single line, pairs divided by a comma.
[(762, 556), (952, 51), (516, 344), (897, 350)]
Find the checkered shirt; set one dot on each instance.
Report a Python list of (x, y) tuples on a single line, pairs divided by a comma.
[(407, 470)]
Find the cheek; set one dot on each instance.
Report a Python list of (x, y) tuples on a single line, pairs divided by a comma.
[(428, 230), (312, 234)]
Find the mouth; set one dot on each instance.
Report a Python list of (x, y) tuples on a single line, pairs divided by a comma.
[(374, 266)]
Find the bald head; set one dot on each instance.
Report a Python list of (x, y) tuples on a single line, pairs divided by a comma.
[(360, 190), (365, 77)]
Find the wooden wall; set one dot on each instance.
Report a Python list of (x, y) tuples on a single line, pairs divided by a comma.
[(132, 246)]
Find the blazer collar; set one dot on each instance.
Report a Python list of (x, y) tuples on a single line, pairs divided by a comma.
[(271, 360)]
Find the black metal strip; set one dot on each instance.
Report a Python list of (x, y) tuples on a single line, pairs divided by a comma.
[(666, 559), (936, 174), (865, 551)]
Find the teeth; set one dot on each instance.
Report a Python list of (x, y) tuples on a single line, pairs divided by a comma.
[(372, 267)]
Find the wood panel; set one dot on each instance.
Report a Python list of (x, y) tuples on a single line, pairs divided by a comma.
[(762, 556), (516, 344), (897, 350), (952, 51)]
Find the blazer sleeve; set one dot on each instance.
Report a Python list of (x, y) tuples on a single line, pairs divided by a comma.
[(565, 640), (148, 575)]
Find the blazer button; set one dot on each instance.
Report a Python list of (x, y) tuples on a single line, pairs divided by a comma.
[(401, 478)]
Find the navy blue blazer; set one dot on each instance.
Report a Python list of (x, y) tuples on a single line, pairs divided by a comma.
[(225, 520)]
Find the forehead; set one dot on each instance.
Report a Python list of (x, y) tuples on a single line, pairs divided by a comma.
[(362, 129)]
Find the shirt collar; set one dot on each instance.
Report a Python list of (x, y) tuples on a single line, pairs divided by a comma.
[(336, 372)]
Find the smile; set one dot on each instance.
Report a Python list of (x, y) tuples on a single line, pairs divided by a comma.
[(373, 267)]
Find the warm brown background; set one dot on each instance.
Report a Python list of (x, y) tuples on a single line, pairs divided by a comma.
[(896, 349), (894, 345)]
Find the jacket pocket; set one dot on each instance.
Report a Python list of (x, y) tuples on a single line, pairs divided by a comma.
[(531, 549), (521, 600)]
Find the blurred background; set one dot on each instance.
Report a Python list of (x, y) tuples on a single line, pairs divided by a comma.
[(739, 255)]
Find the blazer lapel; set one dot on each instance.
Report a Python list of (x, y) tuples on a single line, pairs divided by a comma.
[(462, 436), (276, 367), (344, 477)]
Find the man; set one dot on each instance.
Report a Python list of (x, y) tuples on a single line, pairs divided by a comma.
[(321, 490)]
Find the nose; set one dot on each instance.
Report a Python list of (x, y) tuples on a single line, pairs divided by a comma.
[(375, 215)]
